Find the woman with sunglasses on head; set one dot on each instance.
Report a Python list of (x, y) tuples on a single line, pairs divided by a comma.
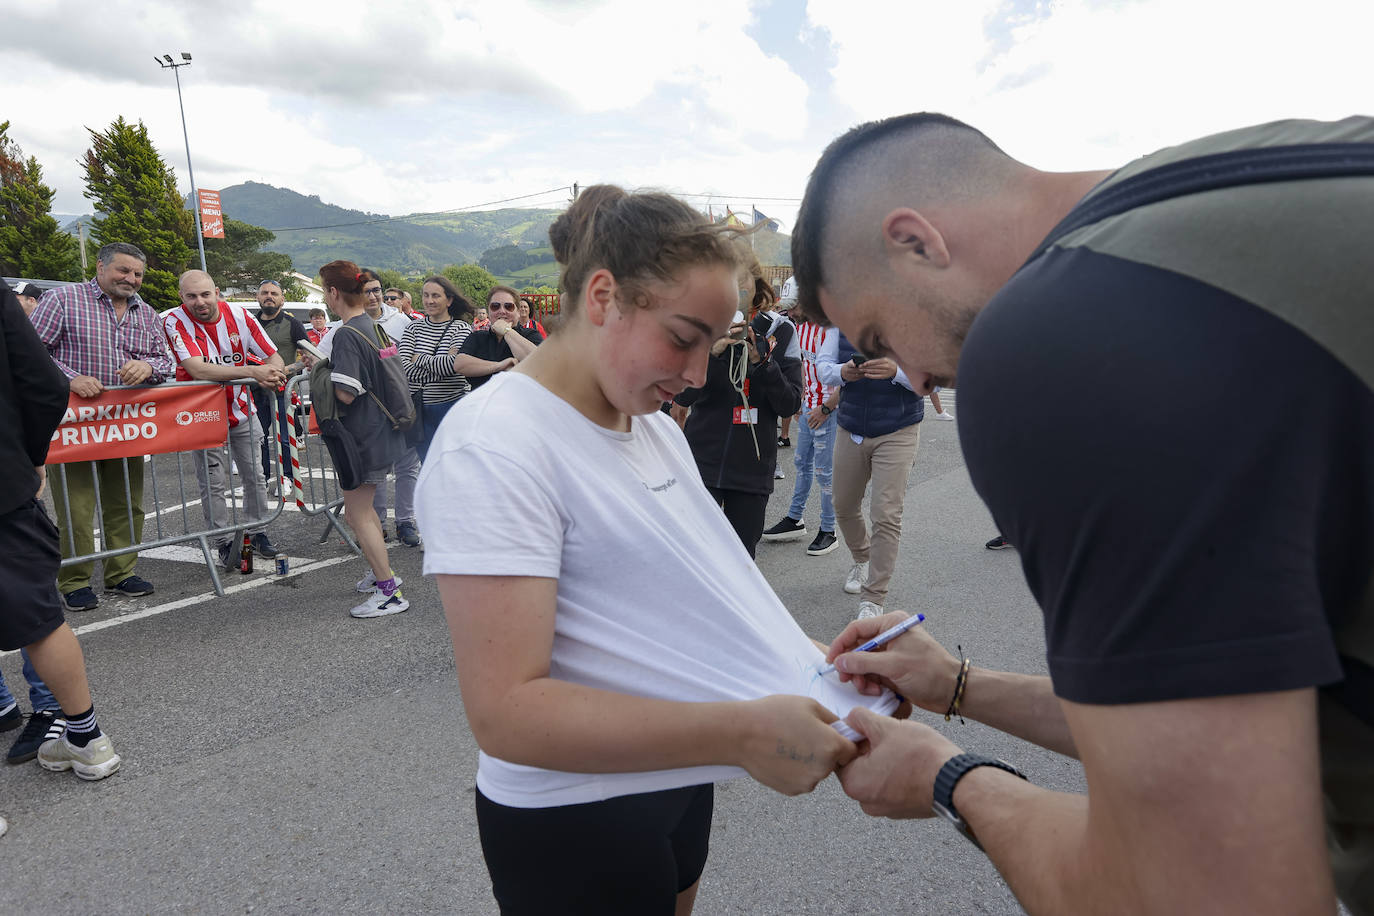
[(430, 347), (617, 649)]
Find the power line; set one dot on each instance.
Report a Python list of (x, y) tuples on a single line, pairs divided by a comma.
[(741, 197), (409, 216)]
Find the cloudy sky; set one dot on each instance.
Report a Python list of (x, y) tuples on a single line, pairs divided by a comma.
[(424, 105)]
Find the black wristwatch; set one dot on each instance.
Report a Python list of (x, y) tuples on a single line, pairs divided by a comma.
[(827, 411), (949, 776)]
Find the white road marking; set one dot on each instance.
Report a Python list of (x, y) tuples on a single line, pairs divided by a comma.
[(306, 567)]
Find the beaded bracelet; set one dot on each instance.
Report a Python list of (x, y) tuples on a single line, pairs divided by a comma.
[(959, 683)]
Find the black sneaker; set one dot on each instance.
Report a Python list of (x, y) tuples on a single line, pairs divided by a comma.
[(133, 587), (43, 725), (263, 546), (225, 554), (83, 599), (824, 543), (789, 529), (784, 442), (12, 719), (408, 534), (997, 543)]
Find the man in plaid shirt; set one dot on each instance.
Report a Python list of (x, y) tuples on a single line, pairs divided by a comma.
[(101, 333)]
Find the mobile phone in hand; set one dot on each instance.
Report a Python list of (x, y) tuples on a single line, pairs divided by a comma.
[(858, 359)]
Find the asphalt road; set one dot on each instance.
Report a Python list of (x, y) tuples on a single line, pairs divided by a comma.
[(281, 757)]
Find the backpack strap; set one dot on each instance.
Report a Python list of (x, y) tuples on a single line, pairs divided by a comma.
[(370, 341), (1213, 172), (376, 400)]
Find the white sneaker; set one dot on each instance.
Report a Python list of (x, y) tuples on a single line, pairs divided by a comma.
[(779, 475), (869, 609), (944, 415), (368, 583), (94, 761), (854, 582), (379, 605)]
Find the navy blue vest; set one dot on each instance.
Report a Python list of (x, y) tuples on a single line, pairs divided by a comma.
[(876, 407)]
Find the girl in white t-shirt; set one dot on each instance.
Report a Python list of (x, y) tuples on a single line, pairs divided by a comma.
[(617, 649)]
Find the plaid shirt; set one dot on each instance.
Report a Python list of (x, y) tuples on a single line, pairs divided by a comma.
[(78, 325)]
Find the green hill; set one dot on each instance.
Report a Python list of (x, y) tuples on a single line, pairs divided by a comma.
[(313, 232)]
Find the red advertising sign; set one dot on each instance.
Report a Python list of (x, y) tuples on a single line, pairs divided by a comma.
[(211, 216), (125, 423)]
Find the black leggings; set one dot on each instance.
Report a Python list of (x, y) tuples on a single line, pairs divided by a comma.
[(744, 512), (630, 854)]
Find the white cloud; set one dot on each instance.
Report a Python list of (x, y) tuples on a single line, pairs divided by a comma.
[(427, 105), (1093, 84), (432, 105)]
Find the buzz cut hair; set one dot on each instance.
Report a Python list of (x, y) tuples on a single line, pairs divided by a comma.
[(874, 149)]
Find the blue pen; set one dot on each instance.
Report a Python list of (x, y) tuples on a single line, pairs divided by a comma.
[(882, 638)]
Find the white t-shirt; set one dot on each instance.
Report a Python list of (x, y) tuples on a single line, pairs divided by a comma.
[(656, 595)]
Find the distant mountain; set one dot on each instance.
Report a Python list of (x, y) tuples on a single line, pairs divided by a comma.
[(314, 233)]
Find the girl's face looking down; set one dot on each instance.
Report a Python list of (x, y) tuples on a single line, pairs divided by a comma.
[(650, 355)]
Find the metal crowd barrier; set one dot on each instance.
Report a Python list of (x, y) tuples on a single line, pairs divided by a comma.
[(291, 451), (305, 465)]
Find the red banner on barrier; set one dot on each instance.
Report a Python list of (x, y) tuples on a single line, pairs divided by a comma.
[(128, 422)]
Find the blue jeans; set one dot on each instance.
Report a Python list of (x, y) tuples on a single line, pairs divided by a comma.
[(40, 697), (815, 448)]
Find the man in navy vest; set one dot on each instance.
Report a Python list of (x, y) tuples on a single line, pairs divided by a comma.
[(876, 440)]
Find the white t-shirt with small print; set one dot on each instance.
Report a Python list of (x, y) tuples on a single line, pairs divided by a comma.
[(656, 595)]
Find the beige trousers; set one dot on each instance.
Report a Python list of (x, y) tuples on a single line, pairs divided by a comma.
[(887, 461)]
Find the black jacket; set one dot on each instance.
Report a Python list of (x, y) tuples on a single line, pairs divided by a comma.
[(33, 398), (723, 449)]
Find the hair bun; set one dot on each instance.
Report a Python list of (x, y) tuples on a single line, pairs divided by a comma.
[(578, 222)]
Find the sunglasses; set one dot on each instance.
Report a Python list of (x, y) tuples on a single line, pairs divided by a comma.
[(392, 298), (501, 306)]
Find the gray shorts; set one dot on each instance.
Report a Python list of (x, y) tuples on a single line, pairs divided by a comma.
[(376, 475)]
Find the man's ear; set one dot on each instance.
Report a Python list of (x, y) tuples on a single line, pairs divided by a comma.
[(907, 233), (598, 296)]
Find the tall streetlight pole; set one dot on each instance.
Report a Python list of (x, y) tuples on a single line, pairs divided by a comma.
[(166, 63)]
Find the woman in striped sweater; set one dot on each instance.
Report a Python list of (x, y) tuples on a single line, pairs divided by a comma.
[(428, 348)]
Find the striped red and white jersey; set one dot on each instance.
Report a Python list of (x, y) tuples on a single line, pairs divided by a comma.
[(812, 338), (230, 341)]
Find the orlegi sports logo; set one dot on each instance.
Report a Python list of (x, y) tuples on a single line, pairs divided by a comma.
[(184, 418)]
